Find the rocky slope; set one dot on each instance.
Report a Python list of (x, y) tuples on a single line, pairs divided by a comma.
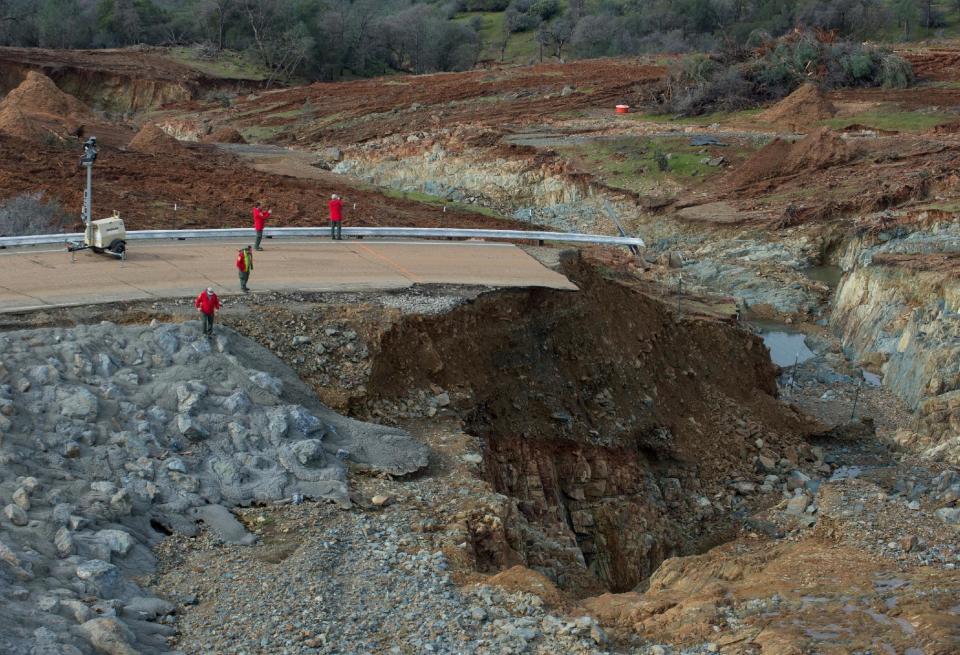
[(112, 437), (896, 310)]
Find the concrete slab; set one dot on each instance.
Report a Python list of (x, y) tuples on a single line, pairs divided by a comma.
[(33, 278)]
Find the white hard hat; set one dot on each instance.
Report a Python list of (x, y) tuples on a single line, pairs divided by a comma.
[(334, 196), (209, 289)]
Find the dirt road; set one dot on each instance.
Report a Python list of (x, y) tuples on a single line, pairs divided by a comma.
[(34, 278)]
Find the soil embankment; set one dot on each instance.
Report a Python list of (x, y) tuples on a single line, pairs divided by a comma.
[(116, 80), (609, 421)]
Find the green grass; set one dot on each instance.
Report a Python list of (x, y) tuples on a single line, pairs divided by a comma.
[(428, 199), (226, 65), (521, 46), (261, 133), (893, 119), (722, 117), (632, 163), (946, 206), (298, 112)]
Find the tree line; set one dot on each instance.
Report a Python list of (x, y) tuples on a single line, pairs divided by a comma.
[(335, 39)]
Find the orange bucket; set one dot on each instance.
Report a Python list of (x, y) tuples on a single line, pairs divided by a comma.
[(623, 109)]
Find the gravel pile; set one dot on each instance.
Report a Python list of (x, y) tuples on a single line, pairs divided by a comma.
[(350, 582)]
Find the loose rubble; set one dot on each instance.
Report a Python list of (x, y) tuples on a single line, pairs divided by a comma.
[(113, 437)]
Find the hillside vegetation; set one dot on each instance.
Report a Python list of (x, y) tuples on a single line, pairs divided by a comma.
[(336, 39)]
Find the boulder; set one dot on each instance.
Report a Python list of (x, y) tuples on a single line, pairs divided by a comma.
[(109, 636), (103, 577)]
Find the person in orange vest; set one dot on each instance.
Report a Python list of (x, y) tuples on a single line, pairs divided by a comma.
[(207, 304), (260, 217), (245, 266), (336, 217)]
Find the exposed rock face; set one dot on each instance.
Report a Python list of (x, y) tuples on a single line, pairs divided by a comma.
[(110, 434), (603, 507), (530, 190), (896, 310), (606, 420)]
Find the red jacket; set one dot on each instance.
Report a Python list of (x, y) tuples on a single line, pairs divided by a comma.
[(244, 262), (259, 217), (207, 304), (336, 209)]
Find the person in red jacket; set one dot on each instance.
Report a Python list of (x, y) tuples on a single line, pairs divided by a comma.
[(336, 217), (245, 266), (207, 304), (260, 217)]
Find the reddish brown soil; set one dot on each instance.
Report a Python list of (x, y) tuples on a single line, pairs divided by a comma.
[(906, 99), (936, 63), (116, 80), (947, 129), (152, 140), (919, 263), (224, 135), (803, 107), (877, 174), (126, 62), (38, 110), (210, 189), (819, 150), (521, 579), (689, 597), (352, 112), (564, 365)]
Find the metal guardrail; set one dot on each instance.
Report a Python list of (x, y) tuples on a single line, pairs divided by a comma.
[(286, 232)]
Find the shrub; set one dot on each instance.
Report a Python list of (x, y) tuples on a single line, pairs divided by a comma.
[(700, 84), (545, 9), (895, 72), (663, 162), (30, 213), (859, 66)]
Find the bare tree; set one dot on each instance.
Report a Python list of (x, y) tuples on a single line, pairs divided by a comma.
[(543, 39), (503, 39), (576, 9), (281, 51), (557, 34), (220, 12)]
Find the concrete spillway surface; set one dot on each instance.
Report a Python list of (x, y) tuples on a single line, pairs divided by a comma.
[(786, 348)]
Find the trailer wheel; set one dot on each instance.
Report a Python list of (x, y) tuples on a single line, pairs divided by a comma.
[(118, 247)]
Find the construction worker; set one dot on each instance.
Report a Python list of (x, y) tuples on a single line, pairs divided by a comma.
[(245, 266), (260, 217), (207, 304), (336, 217)]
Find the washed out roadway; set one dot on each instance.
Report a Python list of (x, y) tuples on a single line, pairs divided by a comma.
[(32, 278)]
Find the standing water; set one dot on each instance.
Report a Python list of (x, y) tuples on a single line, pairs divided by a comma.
[(786, 348), (828, 274)]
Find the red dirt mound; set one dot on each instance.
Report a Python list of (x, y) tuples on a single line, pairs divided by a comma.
[(521, 579), (820, 149), (951, 128), (224, 135), (37, 107), (803, 107), (152, 140)]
